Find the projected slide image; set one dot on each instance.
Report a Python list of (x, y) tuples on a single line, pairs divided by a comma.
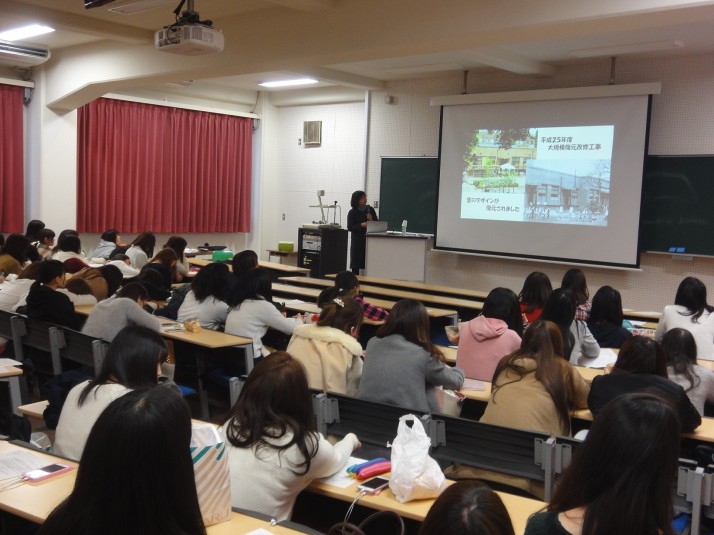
[(557, 175)]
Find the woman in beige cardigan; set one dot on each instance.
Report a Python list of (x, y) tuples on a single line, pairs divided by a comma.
[(329, 350)]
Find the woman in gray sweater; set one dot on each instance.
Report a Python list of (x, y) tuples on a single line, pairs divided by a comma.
[(402, 367)]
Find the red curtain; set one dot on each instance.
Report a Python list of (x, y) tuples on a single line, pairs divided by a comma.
[(153, 168), (12, 182)]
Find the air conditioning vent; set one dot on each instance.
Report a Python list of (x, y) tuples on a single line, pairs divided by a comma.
[(22, 55)]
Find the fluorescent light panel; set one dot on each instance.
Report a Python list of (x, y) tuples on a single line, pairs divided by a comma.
[(635, 48), (25, 32), (288, 83)]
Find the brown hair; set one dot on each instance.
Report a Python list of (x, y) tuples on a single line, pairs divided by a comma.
[(410, 319), (543, 343), (343, 314), (275, 400), (78, 286)]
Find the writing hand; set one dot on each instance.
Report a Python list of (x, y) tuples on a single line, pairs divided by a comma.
[(369, 217)]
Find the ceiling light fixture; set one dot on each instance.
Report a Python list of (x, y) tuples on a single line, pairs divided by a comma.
[(25, 32), (634, 48), (288, 83)]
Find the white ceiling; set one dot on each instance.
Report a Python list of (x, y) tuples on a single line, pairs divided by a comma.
[(364, 43)]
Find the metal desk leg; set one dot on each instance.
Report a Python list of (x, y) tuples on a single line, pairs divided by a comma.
[(248, 353), (17, 398), (202, 392)]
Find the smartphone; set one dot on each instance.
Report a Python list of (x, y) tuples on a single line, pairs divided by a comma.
[(373, 485), (46, 471)]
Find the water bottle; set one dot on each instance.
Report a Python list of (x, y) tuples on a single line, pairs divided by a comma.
[(404, 227)]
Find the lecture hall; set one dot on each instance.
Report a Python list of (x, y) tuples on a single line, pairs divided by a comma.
[(378, 80)]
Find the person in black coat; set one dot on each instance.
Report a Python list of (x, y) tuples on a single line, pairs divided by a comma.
[(641, 367), (357, 219), (45, 303)]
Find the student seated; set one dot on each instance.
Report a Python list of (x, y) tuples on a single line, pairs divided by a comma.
[(487, 338), (578, 342), (574, 281), (32, 233), (680, 350), (535, 388), (16, 287), (178, 245), (401, 366), (132, 362), (123, 263), (692, 312), (534, 294), (329, 350), (347, 285), (241, 264), (45, 242), (136, 474), (253, 311), (467, 508), (621, 478), (62, 235), (206, 301), (69, 248), (274, 449), (110, 316), (109, 241), (164, 263), (641, 366), (13, 254), (606, 318), (44, 303), (140, 249)]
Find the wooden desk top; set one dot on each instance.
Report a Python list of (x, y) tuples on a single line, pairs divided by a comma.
[(379, 291), (10, 371), (240, 523), (311, 308), (519, 508), (263, 263), (204, 338), (429, 288), (34, 501), (312, 293)]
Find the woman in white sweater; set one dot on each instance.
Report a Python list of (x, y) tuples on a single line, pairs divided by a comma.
[(132, 362), (329, 350), (253, 311), (682, 368), (274, 449), (206, 301), (692, 312)]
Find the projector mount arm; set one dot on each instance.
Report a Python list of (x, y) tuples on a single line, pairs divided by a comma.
[(189, 16)]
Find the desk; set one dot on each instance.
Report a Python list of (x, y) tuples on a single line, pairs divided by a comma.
[(12, 376), (291, 257), (396, 256), (311, 308), (421, 286), (370, 290), (35, 501), (282, 269), (519, 508), (312, 293)]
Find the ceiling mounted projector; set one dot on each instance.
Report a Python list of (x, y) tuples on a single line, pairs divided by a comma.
[(189, 36)]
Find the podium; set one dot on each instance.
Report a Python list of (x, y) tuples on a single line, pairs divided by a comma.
[(322, 250), (393, 256)]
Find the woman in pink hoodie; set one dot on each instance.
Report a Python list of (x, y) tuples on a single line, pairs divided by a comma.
[(486, 339)]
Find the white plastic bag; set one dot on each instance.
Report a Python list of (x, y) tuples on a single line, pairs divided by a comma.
[(415, 475)]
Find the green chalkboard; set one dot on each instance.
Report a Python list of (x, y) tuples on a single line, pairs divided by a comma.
[(677, 213), (408, 189)]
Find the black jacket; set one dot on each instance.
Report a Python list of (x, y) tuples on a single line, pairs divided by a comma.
[(607, 387), (45, 304)]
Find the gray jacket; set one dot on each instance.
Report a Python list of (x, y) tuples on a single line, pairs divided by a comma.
[(397, 372)]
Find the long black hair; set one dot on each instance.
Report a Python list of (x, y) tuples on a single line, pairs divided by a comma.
[(131, 360), (211, 281), (560, 309), (356, 196), (502, 304), (346, 285), (574, 280), (692, 295), (680, 350), (274, 401), (535, 291), (136, 473), (257, 284), (607, 306), (16, 246), (624, 471)]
